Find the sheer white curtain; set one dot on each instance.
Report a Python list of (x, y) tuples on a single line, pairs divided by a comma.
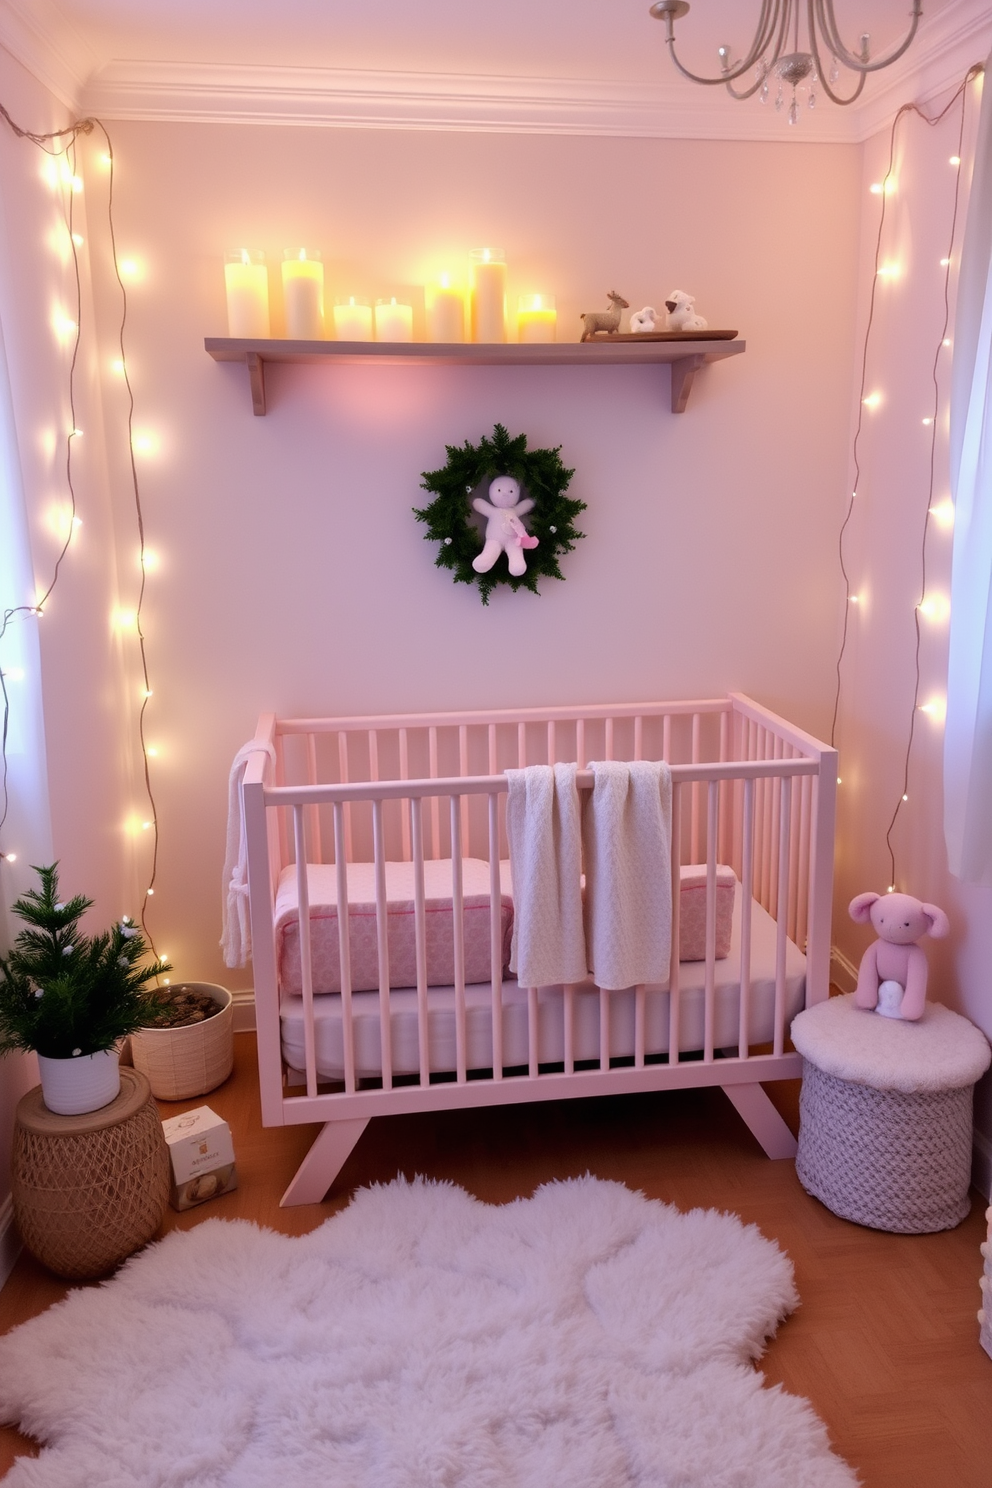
[(968, 730), (28, 829)]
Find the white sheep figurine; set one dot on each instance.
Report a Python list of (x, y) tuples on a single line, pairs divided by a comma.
[(644, 320), (681, 316)]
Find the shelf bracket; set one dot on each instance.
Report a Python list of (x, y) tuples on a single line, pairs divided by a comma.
[(256, 375), (683, 375)]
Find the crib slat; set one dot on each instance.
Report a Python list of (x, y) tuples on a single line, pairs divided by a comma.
[(638, 737), (463, 771), (306, 963), (776, 795), (382, 947), (795, 788), (674, 1008), (726, 793), (344, 948), (802, 888), (435, 800), (747, 900), (496, 937), (709, 981), (315, 839), (639, 1009), (405, 775), (568, 1009), (344, 778), (492, 749), (694, 817), (532, 1010), (416, 824), (785, 802), (609, 738), (458, 928), (580, 743), (604, 1029)]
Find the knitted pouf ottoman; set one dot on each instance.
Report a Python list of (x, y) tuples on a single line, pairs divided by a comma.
[(886, 1114)]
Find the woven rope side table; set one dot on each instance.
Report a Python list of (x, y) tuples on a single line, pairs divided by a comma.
[(886, 1114), (89, 1190)]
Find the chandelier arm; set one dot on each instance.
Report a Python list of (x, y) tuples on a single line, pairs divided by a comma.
[(821, 71), (780, 18), (828, 25), (766, 25)]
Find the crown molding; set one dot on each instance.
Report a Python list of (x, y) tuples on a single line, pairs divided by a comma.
[(162, 91), (37, 34)]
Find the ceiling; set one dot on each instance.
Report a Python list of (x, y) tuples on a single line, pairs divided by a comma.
[(580, 66)]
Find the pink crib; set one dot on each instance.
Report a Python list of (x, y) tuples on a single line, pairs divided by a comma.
[(381, 902)]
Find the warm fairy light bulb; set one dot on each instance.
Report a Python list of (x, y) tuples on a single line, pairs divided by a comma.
[(78, 239), (148, 560), (146, 692), (151, 752), (129, 268), (125, 619), (905, 797), (13, 674), (887, 186), (936, 709), (889, 270), (955, 160), (872, 400), (11, 857), (891, 889), (64, 326), (105, 159), (943, 513), (935, 607), (946, 341), (149, 891), (118, 366), (928, 421), (945, 263), (855, 599), (839, 781), (75, 433), (146, 826)]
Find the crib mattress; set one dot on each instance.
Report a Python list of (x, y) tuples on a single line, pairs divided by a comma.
[(551, 1025)]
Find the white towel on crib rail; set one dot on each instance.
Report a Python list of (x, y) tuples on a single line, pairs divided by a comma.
[(236, 934), (627, 836), (543, 827)]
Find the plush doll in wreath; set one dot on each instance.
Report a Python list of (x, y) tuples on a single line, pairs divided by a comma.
[(505, 532)]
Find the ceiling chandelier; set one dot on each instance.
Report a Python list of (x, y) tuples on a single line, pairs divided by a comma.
[(777, 58)]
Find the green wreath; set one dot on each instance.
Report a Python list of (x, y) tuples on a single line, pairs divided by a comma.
[(451, 521)]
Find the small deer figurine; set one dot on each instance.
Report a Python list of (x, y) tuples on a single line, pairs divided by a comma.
[(604, 320)]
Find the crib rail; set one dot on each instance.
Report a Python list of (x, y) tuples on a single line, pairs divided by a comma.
[(748, 790)]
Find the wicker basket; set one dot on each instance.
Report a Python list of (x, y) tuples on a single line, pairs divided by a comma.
[(883, 1158), (89, 1190), (184, 1062)]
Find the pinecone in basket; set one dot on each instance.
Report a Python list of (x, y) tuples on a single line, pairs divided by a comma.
[(176, 1007)]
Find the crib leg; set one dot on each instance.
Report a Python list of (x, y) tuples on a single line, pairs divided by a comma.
[(331, 1149), (762, 1119)]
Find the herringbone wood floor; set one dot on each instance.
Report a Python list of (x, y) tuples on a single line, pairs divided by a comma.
[(885, 1344)]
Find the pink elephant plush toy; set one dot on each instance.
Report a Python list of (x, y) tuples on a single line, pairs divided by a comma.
[(892, 977)]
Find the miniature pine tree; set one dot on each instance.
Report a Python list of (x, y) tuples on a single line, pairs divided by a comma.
[(63, 993)]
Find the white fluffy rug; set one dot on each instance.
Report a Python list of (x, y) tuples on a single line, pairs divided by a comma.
[(584, 1338)]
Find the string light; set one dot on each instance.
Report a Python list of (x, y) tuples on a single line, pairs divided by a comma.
[(60, 147), (928, 606)]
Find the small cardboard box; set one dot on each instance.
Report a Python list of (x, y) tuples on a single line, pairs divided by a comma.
[(202, 1154)]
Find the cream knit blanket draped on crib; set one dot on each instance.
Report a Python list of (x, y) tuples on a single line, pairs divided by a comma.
[(623, 932)]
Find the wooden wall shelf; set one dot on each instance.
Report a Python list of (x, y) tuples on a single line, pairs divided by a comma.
[(684, 357)]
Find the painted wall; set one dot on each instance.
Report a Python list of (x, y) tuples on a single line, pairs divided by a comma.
[(889, 540), (291, 574)]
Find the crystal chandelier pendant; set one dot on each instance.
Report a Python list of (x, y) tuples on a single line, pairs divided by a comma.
[(780, 99), (793, 110)]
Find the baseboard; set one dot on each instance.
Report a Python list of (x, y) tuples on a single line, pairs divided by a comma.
[(10, 1240), (244, 1010), (843, 973)]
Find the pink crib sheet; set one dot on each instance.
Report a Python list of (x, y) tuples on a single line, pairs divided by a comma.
[(441, 1015)]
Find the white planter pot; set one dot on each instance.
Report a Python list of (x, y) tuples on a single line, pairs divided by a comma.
[(182, 1062), (71, 1087)]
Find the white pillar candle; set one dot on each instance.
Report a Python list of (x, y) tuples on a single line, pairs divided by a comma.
[(488, 294), (247, 283), (352, 320), (445, 311), (303, 295), (537, 318), (393, 322)]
